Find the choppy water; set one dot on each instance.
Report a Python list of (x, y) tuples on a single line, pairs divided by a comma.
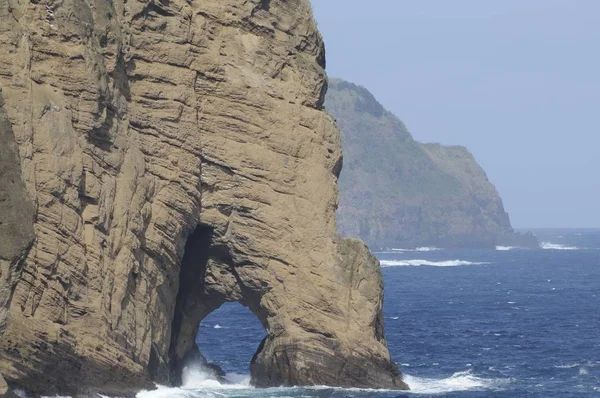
[(460, 323)]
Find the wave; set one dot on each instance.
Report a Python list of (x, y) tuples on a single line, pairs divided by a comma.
[(197, 382), (418, 249), (427, 249), (203, 387), (567, 366), (556, 246), (459, 381), (505, 248), (418, 263)]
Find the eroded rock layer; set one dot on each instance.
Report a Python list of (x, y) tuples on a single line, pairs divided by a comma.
[(177, 157)]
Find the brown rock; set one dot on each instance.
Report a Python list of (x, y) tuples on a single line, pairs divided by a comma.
[(147, 130), (16, 215), (3, 386)]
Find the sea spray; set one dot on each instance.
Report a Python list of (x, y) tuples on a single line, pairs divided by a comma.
[(556, 246), (418, 263), (459, 381)]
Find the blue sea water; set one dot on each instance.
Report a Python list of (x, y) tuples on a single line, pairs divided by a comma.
[(460, 323)]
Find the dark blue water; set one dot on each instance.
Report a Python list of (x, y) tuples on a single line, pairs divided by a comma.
[(465, 323)]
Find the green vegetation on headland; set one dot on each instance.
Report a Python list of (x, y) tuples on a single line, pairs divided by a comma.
[(397, 192)]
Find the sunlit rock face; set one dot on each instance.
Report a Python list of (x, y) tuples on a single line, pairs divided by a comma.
[(177, 157)]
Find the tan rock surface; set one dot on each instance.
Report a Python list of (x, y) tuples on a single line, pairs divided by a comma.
[(3, 387), (16, 220), (143, 126)]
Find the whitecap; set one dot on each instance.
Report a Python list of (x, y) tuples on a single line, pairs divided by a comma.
[(505, 248), (567, 366), (418, 263), (459, 381), (427, 249), (197, 381), (217, 326), (418, 249), (556, 246)]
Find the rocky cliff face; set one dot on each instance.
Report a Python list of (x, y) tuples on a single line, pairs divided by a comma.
[(16, 220), (177, 157), (397, 192)]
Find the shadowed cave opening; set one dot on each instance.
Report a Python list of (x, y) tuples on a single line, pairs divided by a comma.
[(218, 323)]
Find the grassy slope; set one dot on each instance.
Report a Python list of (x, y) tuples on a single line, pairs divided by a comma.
[(398, 192)]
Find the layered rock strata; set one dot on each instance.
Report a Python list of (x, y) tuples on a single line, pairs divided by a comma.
[(16, 219), (177, 157)]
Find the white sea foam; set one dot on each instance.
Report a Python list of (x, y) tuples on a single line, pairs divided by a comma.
[(217, 326), (459, 381), (202, 387), (556, 246), (418, 249), (567, 366), (427, 249), (418, 263), (505, 248), (196, 381)]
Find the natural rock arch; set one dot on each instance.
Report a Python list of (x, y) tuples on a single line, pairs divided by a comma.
[(207, 280), (295, 351)]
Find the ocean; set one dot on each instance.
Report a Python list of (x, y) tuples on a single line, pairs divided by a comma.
[(460, 323)]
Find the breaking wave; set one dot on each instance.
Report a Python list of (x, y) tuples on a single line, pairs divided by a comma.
[(459, 381), (427, 249), (556, 246), (197, 383), (505, 248), (419, 263), (418, 249)]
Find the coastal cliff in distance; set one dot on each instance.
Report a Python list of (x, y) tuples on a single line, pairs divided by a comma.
[(397, 192), (160, 158)]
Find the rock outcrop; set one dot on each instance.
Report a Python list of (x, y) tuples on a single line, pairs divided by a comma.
[(397, 192), (178, 157), (16, 220)]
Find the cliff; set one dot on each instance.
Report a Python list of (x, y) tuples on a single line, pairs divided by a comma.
[(397, 192), (165, 157)]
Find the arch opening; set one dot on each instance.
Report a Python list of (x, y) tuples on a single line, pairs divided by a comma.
[(227, 340), (212, 289)]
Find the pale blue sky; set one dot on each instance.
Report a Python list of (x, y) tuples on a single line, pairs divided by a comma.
[(516, 81)]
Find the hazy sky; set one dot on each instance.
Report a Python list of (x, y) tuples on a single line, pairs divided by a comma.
[(516, 81)]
